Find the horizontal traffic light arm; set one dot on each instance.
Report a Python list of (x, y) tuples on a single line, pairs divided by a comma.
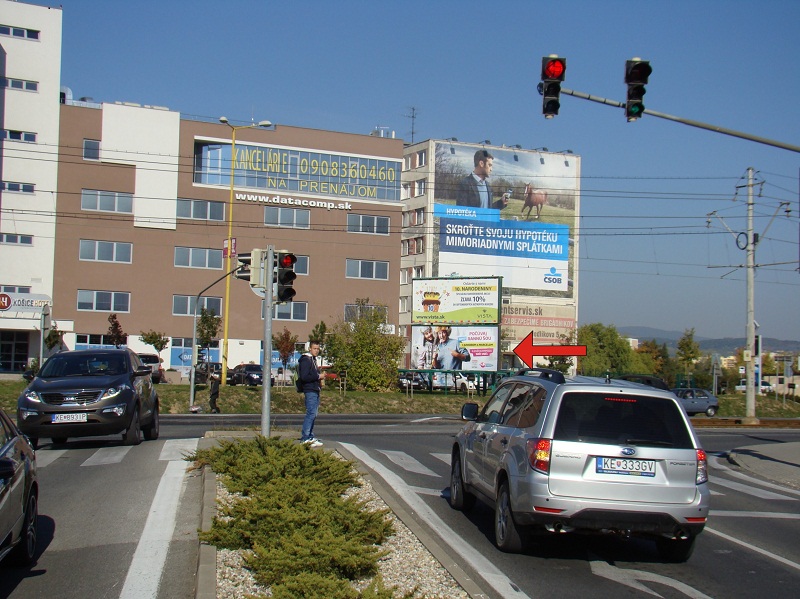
[(691, 123)]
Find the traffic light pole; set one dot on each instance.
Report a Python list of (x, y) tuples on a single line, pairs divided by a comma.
[(266, 368), (691, 123)]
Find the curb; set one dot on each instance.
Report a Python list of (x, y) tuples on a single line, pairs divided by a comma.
[(206, 581)]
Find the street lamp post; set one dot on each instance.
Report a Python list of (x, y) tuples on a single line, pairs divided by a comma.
[(234, 129)]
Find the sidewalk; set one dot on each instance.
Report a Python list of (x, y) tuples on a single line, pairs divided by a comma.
[(778, 461)]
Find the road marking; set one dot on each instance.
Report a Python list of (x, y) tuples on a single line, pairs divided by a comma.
[(445, 457), (147, 566), (738, 514), (406, 462), (178, 449), (483, 566), (108, 455), (45, 458), (631, 578), (752, 547), (716, 464), (760, 493)]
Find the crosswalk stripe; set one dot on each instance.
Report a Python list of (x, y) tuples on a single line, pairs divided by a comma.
[(406, 462), (178, 449), (107, 455), (47, 457), (749, 490), (445, 457)]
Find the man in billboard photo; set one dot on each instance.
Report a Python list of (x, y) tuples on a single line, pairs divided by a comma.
[(474, 189), (425, 349), (449, 355)]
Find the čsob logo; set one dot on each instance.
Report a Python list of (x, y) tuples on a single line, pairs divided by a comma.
[(553, 276)]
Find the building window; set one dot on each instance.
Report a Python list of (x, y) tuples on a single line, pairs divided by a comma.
[(86, 341), (14, 289), (14, 135), (103, 301), (404, 276), (404, 303), (19, 84), (404, 247), (419, 216), (16, 239), (183, 305), (291, 218), (422, 157), (288, 311), (419, 272), (17, 187), (353, 312), (367, 269), (91, 149), (405, 191), (420, 187), (201, 210), (419, 246), (301, 266), (106, 201), (20, 32), (364, 223), (106, 251), (198, 258)]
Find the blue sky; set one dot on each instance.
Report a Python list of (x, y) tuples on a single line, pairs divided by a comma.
[(470, 70)]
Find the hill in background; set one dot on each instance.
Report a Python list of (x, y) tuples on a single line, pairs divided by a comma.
[(726, 346)]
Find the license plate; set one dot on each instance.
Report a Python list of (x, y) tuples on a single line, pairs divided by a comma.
[(625, 466), (68, 418)]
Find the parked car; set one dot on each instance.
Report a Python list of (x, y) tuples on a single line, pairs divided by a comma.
[(412, 380), (246, 374), (582, 454), (204, 369), (697, 401), (154, 362), (466, 381), (90, 392), (19, 494)]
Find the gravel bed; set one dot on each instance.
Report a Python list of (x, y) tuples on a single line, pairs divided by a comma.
[(408, 565)]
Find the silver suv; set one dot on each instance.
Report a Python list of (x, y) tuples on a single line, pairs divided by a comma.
[(582, 454)]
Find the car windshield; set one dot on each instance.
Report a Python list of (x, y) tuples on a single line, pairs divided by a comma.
[(149, 359), (252, 368), (83, 365), (617, 419)]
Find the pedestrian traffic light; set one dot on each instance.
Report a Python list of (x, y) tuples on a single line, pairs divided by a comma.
[(553, 72), (636, 74), (284, 276), (251, 268)]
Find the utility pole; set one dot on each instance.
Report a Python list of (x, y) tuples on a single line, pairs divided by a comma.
[(266, 368), (750, 392)]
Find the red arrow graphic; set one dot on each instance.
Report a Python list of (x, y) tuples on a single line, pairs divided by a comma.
[(526, 350)]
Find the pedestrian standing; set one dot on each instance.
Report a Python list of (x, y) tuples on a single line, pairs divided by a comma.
[(213, 393), (309, 376)]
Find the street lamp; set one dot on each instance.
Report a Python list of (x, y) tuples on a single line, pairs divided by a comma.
[(234, 129)]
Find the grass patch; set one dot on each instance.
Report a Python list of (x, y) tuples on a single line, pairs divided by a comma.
[(302, 535)]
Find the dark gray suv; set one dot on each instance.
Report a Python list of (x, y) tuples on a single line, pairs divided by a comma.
[(582, 454)]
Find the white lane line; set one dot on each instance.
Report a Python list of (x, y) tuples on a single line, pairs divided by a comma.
[(485, 568), (715, 463), (752, 547), (445, 457), (147, 566), (45, 458), (760, 493), (406, 462), (740, 514), (178, 449), (108, 455)]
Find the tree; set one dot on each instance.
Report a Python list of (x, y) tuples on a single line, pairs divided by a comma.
[(606, 351), (115, 333), (284, 344), (688, 351), (207, 328), (54, 337), (318, 332), (159, 341), (563, 363), (363, 348)]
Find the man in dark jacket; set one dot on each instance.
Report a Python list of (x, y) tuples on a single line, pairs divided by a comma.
[(474, 189), (309, 377)]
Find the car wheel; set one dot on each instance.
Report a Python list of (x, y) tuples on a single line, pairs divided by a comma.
[(59, 440), (151, 430), (133, 436), (460, 498), (506, 535), (711, 411), (25, 551), (675, 550)]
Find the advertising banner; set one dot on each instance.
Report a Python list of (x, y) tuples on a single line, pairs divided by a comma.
[(548, 323), (507, 211), (445, 347), (456, 300)]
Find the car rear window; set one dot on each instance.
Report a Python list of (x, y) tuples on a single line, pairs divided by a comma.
[(621, 419)]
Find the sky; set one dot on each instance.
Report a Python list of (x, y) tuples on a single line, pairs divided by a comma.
[(650, 254)]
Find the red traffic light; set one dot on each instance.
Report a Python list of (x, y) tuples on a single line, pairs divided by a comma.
[(286, 260), (637, 71), (554, 68)]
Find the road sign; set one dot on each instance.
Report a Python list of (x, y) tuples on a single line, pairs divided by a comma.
[(526, 350)]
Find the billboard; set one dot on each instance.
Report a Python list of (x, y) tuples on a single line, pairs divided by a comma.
[(456, 300), (510, 212), (446, 347)]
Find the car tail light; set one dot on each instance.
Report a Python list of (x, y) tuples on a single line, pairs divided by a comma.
[(702, 467), (539, 454)]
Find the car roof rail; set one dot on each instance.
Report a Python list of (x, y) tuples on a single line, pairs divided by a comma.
[(548, 374)]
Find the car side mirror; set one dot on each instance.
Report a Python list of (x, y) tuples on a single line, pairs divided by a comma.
[(469, 411), (143, 370)]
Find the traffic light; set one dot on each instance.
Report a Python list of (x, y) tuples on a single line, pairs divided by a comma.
[(284, 276), (636, 74), (251, 268), (553, 71)]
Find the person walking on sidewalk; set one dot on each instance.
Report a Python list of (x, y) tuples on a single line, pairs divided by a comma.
[(213, 393), (309, 376)]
